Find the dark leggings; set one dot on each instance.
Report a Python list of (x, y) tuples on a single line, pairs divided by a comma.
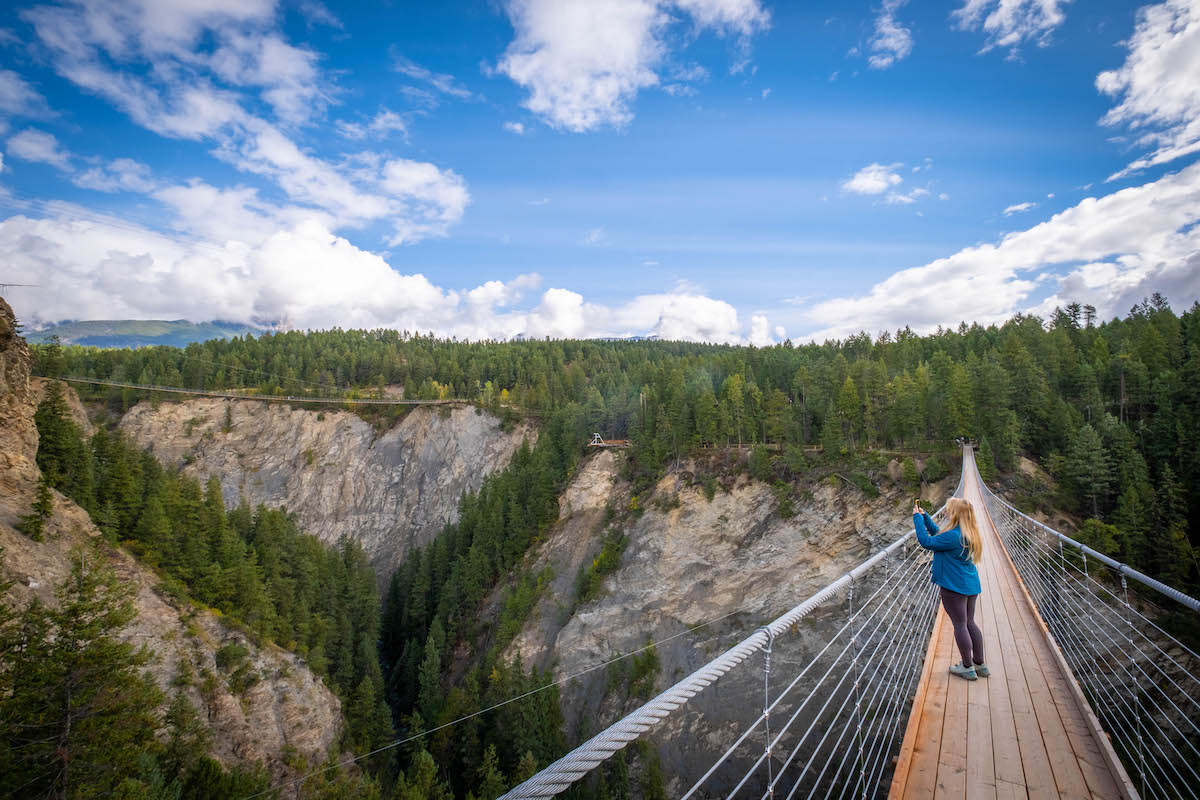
[(961, 610)]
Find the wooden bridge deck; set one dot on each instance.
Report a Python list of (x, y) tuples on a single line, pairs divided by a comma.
[(1027, 730)]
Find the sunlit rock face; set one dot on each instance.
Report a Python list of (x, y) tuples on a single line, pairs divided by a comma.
[(689, 560), (392, 491)]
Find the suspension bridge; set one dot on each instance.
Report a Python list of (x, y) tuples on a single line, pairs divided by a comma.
[(267, 398), (1090, 695)]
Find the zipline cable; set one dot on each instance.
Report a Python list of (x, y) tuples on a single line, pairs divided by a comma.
[(502, 703)]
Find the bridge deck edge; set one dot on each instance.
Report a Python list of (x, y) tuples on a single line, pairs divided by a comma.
[(1115, 767)]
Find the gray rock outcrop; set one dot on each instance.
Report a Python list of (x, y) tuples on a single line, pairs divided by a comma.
[(392, 492)]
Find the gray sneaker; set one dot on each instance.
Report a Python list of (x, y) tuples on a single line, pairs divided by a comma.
[(964, 672), (982, 671)]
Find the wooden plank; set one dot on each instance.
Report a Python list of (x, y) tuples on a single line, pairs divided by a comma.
[(1103, 771), (981, 760), (1065, 767), (911, 730), (923, 770), (1010, 791), (1024, 732), (1035, 762), (952, 758), (1005, 750)]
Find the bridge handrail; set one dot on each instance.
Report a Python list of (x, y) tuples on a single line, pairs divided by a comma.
[(583, 759), (1121, 567), (1137, 676)]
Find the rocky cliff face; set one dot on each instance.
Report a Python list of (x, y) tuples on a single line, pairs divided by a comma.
[(392, 492), (288, 708), (18, 436), (689, 561)]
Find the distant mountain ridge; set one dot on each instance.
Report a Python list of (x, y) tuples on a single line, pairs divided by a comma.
[(134, 333)]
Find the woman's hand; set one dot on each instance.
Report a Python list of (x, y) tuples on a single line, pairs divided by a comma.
[(917, 506)]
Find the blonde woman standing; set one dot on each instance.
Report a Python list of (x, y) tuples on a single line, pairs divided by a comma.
[(956, 551)]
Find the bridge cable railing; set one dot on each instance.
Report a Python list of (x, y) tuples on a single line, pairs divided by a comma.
[(1142, 681), (834, 725)]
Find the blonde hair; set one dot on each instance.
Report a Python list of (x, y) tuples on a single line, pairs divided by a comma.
[(962, 516)]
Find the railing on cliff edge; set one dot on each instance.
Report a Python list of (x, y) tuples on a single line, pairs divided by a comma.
[(842, 730)]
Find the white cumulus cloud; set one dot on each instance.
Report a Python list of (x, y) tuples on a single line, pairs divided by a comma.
[(1114, 249), (584, 61), (883, 179), (873, 179), (1159, 84), (39, 147), (120, 174), (90, 268)]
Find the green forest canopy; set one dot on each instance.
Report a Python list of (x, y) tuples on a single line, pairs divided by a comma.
[(1110, 409), (1052, 389)]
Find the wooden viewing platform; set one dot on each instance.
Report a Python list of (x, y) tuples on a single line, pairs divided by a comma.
[(1026, 731)]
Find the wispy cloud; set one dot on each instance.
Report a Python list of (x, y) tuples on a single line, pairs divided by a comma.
[(1011, 23), (381, 126), (891, 41), (440, 82), (1017, 208)]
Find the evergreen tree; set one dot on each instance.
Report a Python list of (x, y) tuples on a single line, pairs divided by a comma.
[(33, 524), (80, 710), (986, 461), (1131, 518), (61, 449), (1175, 558), (491, 779), (849, 410), (430, 680), (1088, 467)]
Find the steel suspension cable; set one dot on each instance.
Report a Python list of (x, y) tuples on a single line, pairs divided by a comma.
[(1093, 620), (1103, 638), (732, 748), (573, 766), (894, 604), (1061, 634), (833, 751)]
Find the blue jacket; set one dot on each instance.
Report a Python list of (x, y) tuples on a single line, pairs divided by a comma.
[(952, 568)]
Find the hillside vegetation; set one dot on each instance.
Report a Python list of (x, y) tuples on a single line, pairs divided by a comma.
[(1109, 408)]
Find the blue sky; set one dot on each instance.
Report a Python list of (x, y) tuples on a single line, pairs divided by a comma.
[(737, 170)]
